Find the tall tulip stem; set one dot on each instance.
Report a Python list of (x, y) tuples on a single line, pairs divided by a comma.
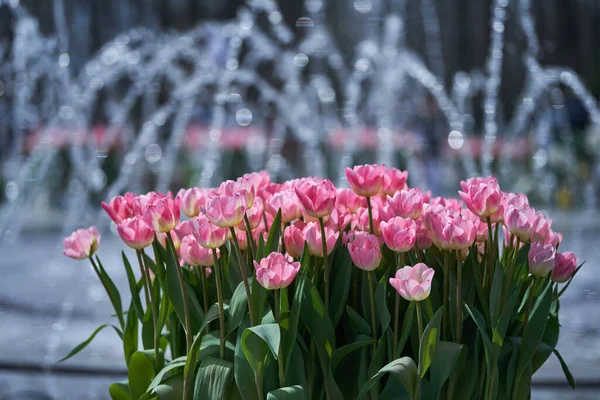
[(459, 319), (240, 259), (152, 300), (186, 305), (373, 320), (370, 210), (325, 263), (399, 263), (280, 361), (219, 285)]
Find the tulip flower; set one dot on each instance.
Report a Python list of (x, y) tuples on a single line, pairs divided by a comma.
[(225, 211), (565, 266), (193, 199), (208, 234), (488, 180), (258, 179), (293, 238), (243, 186), (82, 243), (554, 238), (541, 227), (276, 271), (254, 215), (515, 200), (366, 180), (163, 213), (393, 181), (482, 199), (365, 251), (120, 207), (519, 221), (288, 202), (422, 235), (312, 235), (136, 232), (542, 258), (317, 198), (407, 203), (399, 234), (349, 200), (413, 283), (194, 254)]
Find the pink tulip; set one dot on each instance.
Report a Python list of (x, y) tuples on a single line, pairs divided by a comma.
[(288, 202), (516, 200), (519, 221), (542, 258), (293, 238), (349, 200), (451, 231), (254, 214), (482, 199), (422, 235), (312, 235), (399, 234), (136, 232), (317, 199), (225, 211), (193, 199), (554, 238), (338, 219), (566, 263), (407, 203), (209, 235), (393, 181), (446, 202), (365, 251), (120, 207), (541, 227), (413, 283), (276, 271), (258, 179), (183, 229), (163, 213), (194, 254), (143, 201), (488, 180), (244, 187), (366, 180), (82, 243)]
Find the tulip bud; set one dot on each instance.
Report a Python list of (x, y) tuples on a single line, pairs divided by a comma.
[(365, 251), (82, 243), (312, 235), (413, 283), (136, 232), (365, 180), (566, 263), (542, 258), (276, 271), (293, 238), (194, 254), (399, 234)]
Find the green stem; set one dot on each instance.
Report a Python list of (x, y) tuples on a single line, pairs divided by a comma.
[(529, 304), (186, 305), (459, 319), (110, 297), (445, 315), (244, 274), (419, 322), (152, 305), (219, 285), (399, 263), (490, 258), (280, 360), (325, 263), (511, 269), (373, 320), (251, 243), (202, 275), (369, 208)]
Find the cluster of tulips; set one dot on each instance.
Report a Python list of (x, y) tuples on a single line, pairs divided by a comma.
[(301, 290)]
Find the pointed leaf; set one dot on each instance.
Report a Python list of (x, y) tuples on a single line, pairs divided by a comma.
[(444, 362), (113, 292), (213, 379), (141, 373), (340, 353), (119, 391), (274, 235), (133, 288), (361, 325), (341, 274), (565, 369), (404, 369), (85, 343), (429, 342), (287, 393), (381, 307)]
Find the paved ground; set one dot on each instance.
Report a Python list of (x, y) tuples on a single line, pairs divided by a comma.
[(49, 303)]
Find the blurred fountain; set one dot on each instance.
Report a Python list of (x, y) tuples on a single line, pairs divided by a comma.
[(149, 105)]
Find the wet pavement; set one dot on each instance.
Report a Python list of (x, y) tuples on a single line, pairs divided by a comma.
[(49, 303)]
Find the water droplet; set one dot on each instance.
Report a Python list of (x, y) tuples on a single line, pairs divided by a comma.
[(540, 158), (498, 26), (275, 17), (456, 140), (64, 60), (300, 60), (153, 153), (243, 117), (326, 94), (304, 22), (313, 6), (363, 6), (11, 190)]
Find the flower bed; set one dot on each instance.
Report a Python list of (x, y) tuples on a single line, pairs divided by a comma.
[(300, 290)]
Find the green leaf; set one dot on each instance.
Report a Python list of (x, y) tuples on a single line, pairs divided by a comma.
[(130, 335), (173, 290), (523, 390), (287, 393), (547, 345), (409, 317), (141, 373), (258, 299), (237, 309), (243, 373), (170, 369), (84, 344), (565, 369), (113, 292), (274, 235), (341, 274), (468, 378), (361, 325), (444, 362), (213, 379), (170, 389), (119, 391), (257, 342), (381, 307), (289, 325), (404, 369), (429, 342), (496, 295), (148, 330), (534, 331), (133, 288), (260, 252), (340, 353), (479, 321)]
